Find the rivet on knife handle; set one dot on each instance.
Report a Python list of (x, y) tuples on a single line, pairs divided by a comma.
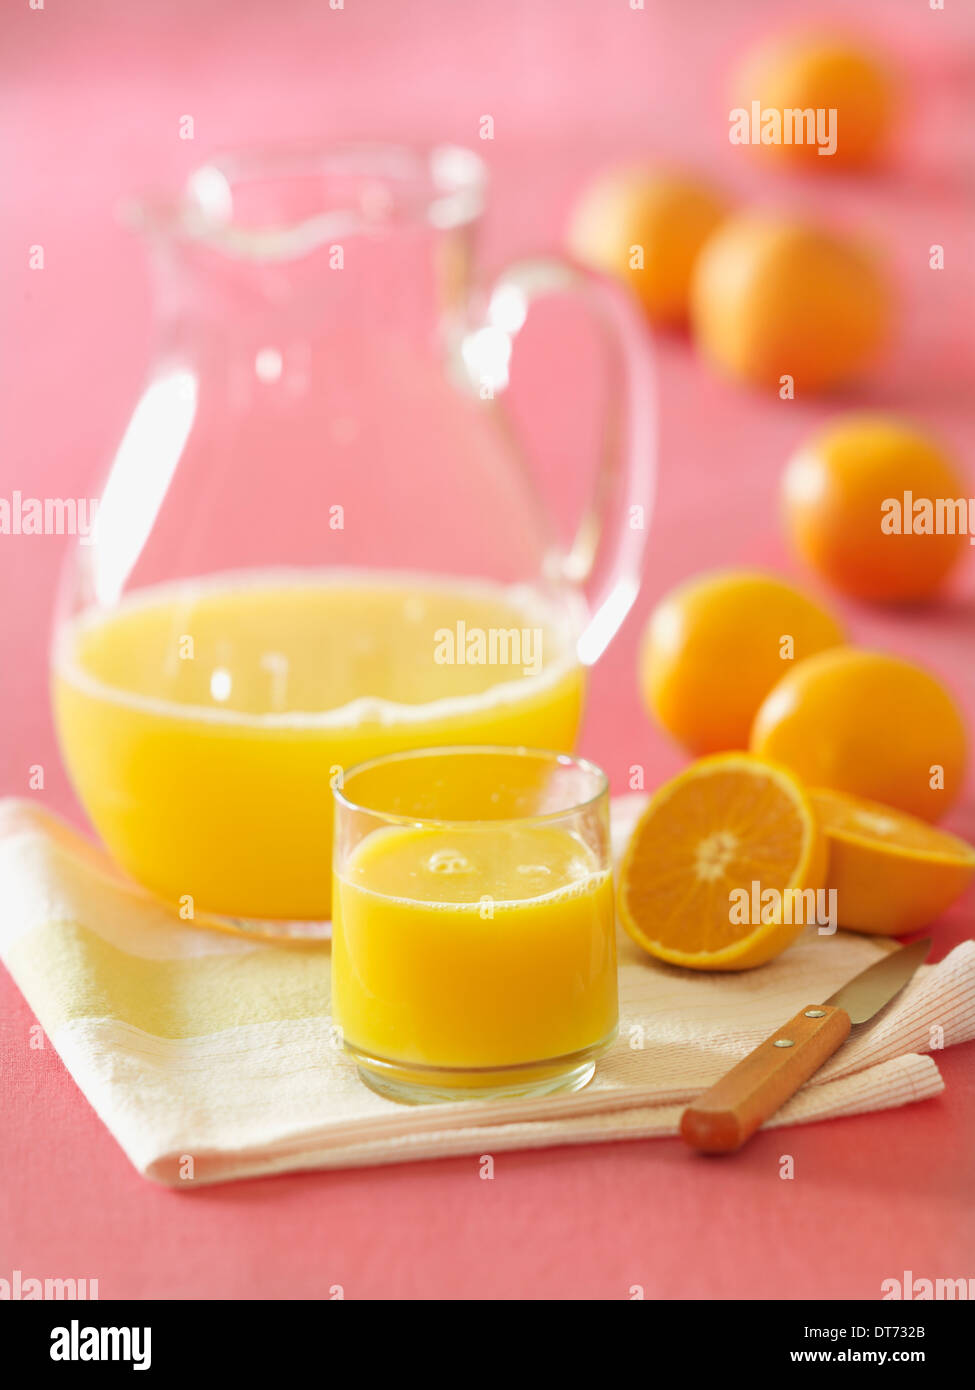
[(729, 1113)]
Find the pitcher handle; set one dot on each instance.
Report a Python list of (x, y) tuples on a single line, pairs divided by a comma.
[(606, 556)]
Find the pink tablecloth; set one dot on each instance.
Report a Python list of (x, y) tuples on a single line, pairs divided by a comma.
[(91, 100)]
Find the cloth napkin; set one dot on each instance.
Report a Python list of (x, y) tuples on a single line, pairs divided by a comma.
[(212, 1056)]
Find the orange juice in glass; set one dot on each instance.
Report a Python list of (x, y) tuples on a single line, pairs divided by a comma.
[(473, 932)]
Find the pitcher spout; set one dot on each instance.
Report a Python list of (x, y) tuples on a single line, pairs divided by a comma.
[(282, 204)]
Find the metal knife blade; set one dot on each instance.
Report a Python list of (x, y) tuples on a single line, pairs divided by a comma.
[(868, 992)]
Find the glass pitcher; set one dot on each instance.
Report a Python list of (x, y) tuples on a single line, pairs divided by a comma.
[(316, 542)]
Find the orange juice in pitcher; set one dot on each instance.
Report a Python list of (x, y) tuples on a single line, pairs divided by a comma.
[(204, 723)]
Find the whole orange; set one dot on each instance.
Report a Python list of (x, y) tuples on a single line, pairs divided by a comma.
[(861, 504), (870, 724), (820, 73), (716, 645), (646, 228), (772, 297)]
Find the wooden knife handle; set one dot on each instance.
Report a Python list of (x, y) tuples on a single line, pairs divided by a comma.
[(729, 1113)]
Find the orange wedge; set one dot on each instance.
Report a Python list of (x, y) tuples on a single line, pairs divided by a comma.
[(706, 876), (892, 872)]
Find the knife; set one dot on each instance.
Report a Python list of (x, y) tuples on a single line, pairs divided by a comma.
[(727, 1115)]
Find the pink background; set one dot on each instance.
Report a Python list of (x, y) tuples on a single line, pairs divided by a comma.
[(92, 93)]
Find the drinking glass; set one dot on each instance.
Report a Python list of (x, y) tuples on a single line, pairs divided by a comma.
[(473, 934)]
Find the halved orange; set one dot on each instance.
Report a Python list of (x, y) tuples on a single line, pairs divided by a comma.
[(892, 872), (714, 852)]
